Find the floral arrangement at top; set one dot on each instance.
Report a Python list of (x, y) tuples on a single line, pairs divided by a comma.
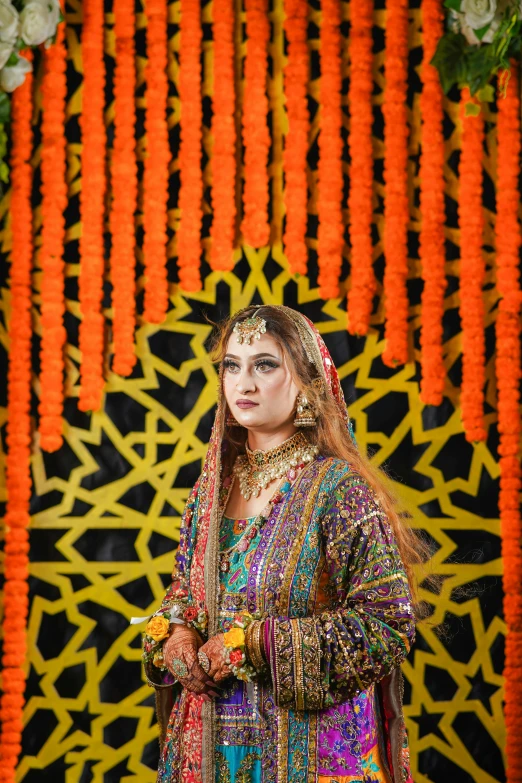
[(482, 37), (23, 25)]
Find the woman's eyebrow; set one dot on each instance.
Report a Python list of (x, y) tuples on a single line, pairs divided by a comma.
[(254, 356)]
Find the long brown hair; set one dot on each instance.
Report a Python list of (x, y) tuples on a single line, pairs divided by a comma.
[(331, 434)]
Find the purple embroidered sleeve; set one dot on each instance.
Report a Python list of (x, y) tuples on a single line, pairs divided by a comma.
[(369, 626)]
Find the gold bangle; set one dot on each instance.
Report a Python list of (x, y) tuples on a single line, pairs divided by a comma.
[(259, 647), (248, 644), (253, 645)]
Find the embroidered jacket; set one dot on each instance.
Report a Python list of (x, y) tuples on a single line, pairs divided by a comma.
[(326, 575)]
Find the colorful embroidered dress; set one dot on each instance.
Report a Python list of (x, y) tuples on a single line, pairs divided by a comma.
[(325, 574)]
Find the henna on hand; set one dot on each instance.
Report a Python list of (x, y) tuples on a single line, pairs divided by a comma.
[(214, 649), (183, 644)]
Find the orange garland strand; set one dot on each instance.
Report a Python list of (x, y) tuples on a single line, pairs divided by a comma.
[(156, 170), (508, 371), (18, 435), (92, 208), (396, 184), (296, 144), (432, 254), (256, 136), (329, 170), (472, 272), (224, 135), (191, 179), (54, 202), (363, 286), (124, 190)]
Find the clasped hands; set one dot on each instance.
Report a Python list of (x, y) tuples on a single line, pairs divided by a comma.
[(183, 645)]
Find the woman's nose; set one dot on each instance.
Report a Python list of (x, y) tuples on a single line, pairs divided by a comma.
[(245, 382)]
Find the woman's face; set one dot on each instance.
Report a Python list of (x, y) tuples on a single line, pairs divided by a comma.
[(258, 386)]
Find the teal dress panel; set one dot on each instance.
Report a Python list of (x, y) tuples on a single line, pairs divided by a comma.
[(235, 763)]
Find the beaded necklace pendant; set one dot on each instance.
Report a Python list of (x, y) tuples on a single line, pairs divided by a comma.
[(230, 556)]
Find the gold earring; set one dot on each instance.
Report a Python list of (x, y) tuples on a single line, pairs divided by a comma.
[(305, 415)]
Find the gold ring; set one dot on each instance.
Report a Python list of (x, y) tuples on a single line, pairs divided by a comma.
[(179, 668), (204, 661)]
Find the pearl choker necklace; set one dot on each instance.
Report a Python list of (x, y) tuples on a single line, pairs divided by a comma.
[(256, 469)]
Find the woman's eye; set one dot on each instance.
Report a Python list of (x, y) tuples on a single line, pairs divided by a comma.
[(230, 366), (265, 366)]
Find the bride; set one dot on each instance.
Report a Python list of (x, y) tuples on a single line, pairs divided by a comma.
[(276, 650)]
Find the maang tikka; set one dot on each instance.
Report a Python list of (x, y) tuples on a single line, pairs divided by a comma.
[(250, 329)]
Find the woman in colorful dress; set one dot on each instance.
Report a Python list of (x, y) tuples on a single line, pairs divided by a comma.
[(276, 650)]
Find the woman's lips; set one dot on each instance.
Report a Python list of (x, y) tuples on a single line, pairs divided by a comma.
[(244, 404)]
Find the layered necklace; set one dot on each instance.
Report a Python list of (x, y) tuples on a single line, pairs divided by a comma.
[(254, 472), (256, 469)]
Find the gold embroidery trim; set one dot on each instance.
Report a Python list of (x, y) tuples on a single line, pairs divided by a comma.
[(298, 665)]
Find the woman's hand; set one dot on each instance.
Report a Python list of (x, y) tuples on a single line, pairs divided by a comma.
[(180, 652), (214, 649)]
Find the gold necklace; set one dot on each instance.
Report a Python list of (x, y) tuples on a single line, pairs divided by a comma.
[(256, 469)]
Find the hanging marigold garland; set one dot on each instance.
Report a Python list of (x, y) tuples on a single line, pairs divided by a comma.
[(191, 179), (256, 136), (329, 168), (296, 143), (92, 208), (431, 177), (224, 137), (156, 170), (362, 289), (508, 372), (18, 475), (396, 184), (54, 202), (124, 190), (472, 272)]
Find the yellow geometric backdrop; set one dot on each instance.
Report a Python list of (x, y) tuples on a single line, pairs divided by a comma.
[(106, 507)]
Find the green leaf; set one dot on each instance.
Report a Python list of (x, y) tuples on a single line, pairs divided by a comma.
[(471, 109), (450, 60), (4, 172), (453, 4), (481, 32), (13, 59), (486, 94), (481, 66), (5, 107)]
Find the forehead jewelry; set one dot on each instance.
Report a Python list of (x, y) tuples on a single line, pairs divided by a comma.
[(249, 329)]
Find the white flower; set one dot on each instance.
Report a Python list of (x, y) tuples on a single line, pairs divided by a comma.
[(38, 21), (5, 52), (9, 22), (469, 33), (14, 75), (478, 13)]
